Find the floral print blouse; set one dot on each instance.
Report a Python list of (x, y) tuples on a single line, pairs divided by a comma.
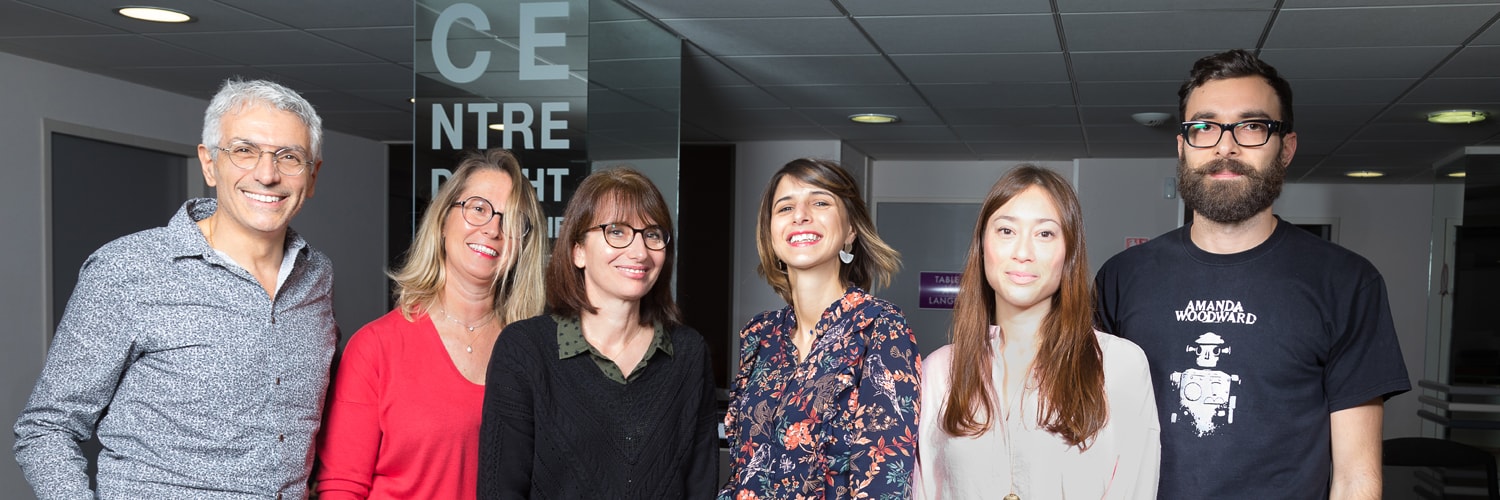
[(840, 424)]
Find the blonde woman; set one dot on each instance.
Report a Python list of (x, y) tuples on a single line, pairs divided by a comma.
[(405, 415)]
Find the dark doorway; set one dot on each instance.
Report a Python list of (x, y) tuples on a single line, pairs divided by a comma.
[(101, 191), (705, 252)]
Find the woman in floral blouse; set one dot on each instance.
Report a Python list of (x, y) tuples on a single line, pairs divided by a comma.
[(825, 403)]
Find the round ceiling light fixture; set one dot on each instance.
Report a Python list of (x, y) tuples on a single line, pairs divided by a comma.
[(1459, 116), (1365, 174), (1151, 119), (154, 14), (874, 118)]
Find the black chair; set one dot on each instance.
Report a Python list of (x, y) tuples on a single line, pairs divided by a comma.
[(1433, 452)]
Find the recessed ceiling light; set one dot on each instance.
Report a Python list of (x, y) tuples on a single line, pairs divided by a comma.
[(154, 14), (875, 118), (1364, 174), (1457, 116), (497, 126), (1459, 174)]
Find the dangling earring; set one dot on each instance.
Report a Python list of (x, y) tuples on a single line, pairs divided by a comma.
[(845, 256), (781, 266)]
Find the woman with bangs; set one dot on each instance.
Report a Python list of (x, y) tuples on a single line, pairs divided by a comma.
[(1030, 399), (824, 404), (609, 395), (404, 418)]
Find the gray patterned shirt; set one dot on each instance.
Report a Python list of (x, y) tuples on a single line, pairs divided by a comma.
[(213, 390)]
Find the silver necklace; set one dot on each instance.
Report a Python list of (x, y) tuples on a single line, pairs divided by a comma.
[(474, 336)]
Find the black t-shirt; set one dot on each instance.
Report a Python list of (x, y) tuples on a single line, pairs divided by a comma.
[(1250, 353)]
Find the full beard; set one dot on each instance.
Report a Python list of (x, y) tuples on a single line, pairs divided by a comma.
[(1229, 201)]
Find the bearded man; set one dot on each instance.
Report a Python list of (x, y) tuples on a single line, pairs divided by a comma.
[(1272, 351)]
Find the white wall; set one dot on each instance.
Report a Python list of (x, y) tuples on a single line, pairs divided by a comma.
[(345, 219), (754, 164), (1125, 198)]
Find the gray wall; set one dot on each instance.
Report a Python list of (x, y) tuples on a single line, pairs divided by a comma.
[(345, 219)]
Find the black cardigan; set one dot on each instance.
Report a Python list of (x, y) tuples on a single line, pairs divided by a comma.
[(559, 429)]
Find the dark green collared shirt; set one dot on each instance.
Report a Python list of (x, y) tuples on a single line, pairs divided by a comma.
[(570, 342)]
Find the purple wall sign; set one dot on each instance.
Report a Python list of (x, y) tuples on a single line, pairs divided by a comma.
[(936, 290)]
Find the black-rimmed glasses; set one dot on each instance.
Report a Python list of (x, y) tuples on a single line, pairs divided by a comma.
[(478, 211), (621, 235), (1246, 133), (288, 161)]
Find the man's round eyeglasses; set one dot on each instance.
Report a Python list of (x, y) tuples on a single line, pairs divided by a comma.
[(478, 212), (1246, 133), (288, 161), (621, 235)]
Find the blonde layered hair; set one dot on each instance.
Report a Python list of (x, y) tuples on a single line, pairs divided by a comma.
[(518, 291)]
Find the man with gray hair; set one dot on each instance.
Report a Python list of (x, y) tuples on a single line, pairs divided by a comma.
[(198, 352)]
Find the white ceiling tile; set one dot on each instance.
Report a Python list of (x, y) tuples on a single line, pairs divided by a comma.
[(708, 72), (1004, 133), (390, 44), (380, 76), (268, 47), (690, 9), (708, 99), (1073, 6), (944, 7), (819, 70), (1337, 63), (108, 51), (793, 36), (1020, 117), (1160, 93), (1366, 91), (983, 68), (1455, 135), (1378, 27), (1473, 61), (966, 34), (1175, 30), (1165, 136), (991, 95), (1135, 66), (854, 95), (330, 14), (1309, 4), (1490, 36), (20, 19), (1458, 91)]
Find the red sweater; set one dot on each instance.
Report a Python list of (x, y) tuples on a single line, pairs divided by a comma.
[(403, 423)]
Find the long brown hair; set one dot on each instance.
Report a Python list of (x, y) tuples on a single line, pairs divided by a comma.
[(1068, 368), (624, 193), (874, 261)]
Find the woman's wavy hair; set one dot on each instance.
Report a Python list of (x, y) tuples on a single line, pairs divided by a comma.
[(610, 196), (874, 260), (1068, 369), (518, 288)]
